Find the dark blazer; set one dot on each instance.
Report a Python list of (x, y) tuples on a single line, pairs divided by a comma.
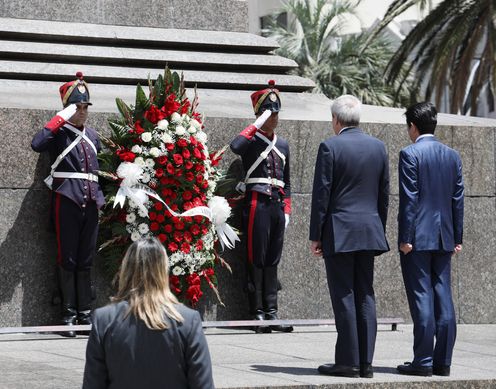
[(123, 353), (431, 196), (350, 194)]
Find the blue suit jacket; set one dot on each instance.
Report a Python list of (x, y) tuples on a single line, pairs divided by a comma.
[(431, 196), (350, 194)]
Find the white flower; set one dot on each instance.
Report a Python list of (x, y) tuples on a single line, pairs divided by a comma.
[(185, 118), (145, 178), (146, 137), (142, 213), (163, 124), (131, 217), (196, 124), (191, 129), (166, 138), (150, 162), (139, 161), (130, 228), (135, 236), (154, 152), (143, 228), (175, 118), (201, 136), (130, 172), (132, 204), (180, 130), (136, 149), (177, 271)]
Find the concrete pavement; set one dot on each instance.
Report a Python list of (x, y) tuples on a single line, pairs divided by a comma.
[(242, 359)]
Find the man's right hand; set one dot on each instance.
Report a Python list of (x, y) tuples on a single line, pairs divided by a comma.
[(61, 118), (458, 248), (316, 248), (405, 248)]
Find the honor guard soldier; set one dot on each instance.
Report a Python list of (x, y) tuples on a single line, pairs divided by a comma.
[(267, 206), (76, 197)]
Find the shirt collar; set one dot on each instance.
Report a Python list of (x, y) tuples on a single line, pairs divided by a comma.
[(345, 128), (423, 136)]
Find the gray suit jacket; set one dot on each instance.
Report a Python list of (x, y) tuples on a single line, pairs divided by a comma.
[(123, 353)]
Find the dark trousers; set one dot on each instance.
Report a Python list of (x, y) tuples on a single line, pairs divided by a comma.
[(427, 278), (77, 230), (350, 279), (263, 223)]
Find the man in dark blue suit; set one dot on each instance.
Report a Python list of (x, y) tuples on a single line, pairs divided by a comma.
[(347, 226), (430, 230)]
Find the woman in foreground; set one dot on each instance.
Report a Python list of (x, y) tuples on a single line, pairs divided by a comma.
[(145, 338)]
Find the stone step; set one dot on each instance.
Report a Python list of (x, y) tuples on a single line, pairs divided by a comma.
[(141, 57), (42, 71), (77, 33)]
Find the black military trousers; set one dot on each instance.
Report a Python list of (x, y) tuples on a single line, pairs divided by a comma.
[(263, 224), (77, 230)]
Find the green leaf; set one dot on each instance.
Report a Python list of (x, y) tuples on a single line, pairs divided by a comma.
[(159, 90), (124, 109), (142, 103), (176, 83)]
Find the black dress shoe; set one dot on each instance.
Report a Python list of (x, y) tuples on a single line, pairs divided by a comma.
[(366, 370), (259, 315), (441, 370), (340, 370), (272, 315), (408, 369)]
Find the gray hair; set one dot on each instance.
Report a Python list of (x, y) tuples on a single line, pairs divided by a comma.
[(346, 109)]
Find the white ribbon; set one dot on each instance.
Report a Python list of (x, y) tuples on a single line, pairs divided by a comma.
[(226, 234)]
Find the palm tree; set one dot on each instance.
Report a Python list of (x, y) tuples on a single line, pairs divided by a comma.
[(313, 39), (451, 51)]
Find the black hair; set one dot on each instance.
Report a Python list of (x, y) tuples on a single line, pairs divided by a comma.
[(424, 116)]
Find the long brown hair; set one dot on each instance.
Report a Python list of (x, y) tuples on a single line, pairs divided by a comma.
[(143, 281)]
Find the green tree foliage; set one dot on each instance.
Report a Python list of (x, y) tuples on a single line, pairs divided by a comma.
[(451, 51), (313, 39)]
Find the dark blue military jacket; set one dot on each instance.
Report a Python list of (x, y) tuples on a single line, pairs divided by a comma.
[(81, 158), (272, 167)]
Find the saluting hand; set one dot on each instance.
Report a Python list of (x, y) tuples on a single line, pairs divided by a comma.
[(316, 248)]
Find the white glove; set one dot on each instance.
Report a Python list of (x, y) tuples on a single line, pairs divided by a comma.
[(286, 216), (67, 112), (262, 119)]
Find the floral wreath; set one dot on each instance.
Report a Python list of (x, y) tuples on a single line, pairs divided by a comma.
[(164, 179)]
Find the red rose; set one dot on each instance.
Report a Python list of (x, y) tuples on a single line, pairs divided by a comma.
[(208, 272), (160, 218), (198, 218), (204, 230), (193, 140), (154, 226), (158, 206), (193, 294), (199, 179), (173, 247), (169, 146), (178, 173), (178, 236), (188, 237), (170, 105), (174, 207), (185, 248), (159, 172), (126, 155), (187, 195), (170, 168), (173, 196), (188, 165), (197, 153), (187, 205), (182, 142), (189, 176), (199, 168), (179, 225), (205, 184), (199, 245), (168, 228), (195, 229), (178, 159), (193, 279), (152, 215), (185, 106), (154, 114), (162, 237), (186, 154), (197, 116), (175, 284), (162, 160), (187, 219), (137, 128)]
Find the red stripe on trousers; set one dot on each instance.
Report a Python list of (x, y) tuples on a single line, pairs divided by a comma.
[(57, 227), (251, 220)]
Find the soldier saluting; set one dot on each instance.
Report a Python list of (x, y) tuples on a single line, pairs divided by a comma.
[(76, 197), (267, 205)]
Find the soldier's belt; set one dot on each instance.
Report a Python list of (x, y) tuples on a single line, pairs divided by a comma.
[(80, 176), (269, 181)]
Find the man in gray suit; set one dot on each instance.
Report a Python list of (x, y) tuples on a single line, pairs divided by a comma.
[(347, 226)]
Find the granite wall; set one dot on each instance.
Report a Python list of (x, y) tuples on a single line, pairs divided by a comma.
[(27, 246), (216, 15)]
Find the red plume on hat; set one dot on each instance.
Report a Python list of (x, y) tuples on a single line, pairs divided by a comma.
[(76, 90), (258, 98)]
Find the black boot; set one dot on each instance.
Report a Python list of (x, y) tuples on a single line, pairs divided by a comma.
[(255, 284), (271, 285), (67, 282), (84, 297)]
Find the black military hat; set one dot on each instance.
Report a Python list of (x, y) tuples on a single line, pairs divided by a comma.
[(74, 92)]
